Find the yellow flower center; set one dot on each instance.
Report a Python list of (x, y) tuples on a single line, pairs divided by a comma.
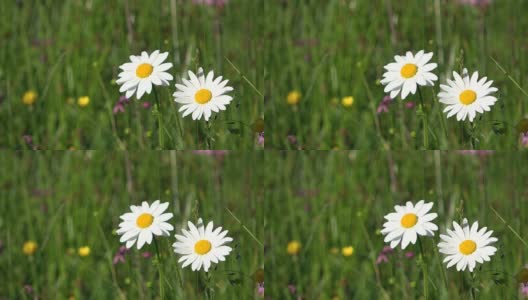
[(467, 97), (467, 247), (144, 220), (202, 247), (408, 70), (409, 220), (144, 70), (203, 96)]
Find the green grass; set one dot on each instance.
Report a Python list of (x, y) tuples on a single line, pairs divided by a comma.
[(69, 49), (332, 49), (67, 200), (337, 199)]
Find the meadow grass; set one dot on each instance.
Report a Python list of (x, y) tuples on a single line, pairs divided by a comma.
[(64, 201), (64, 50), (330, 200), (328, 50)]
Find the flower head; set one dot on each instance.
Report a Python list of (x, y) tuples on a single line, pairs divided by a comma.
[(143, 222), (347, 251), (293, 97), (347, 101), (201, 95), (293, 248), (29, 247), (465, 246), (407, 72), (200, 246), (84, 251), (29, 97), (408, 222), (465, 96), (142, 72), (83, 101)]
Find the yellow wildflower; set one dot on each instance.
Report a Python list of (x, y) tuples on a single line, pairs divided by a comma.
[(294, 247), (347, 101), (84, 251), (293, 97), (29, 248), (83, 101), (347, 251), (29, 97)]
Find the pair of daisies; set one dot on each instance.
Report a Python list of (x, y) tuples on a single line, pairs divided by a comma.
[(464, 245), (199, 245), (464, 96), (200, 95)]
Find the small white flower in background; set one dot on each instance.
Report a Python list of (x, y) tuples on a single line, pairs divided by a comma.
[(143, 222), (465, 245), (142, 72), (407, 72), (467, 95), (201, 246), (202, 95), (408, 222)]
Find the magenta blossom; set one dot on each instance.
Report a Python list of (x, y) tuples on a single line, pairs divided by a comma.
[(477, 3), (217, 3), (260, 139), (524, 139), (120, 255), (524, 289), (260, 289), (384, 105)]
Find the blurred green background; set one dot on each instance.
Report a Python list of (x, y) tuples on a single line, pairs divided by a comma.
[(328, 50), (63, 50), (327, 201), (67, 200)]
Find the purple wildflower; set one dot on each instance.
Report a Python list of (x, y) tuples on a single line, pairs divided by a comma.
[(292, 289), (384, 105), (120, 105), (481, 153), (120, 255), (524, 139), (409, 254), (409, 105), (524, 289), (479, 3), (260, 289), (217, 3), (260, 139), (382, 258), (146, 254), (292, 139)]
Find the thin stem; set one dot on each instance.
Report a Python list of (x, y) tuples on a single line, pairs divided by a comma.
[(424, 118), (160, 271), (424, 267), (160, 128), (245, 228)]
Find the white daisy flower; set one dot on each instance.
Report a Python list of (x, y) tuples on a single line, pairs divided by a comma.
[(200, 95), (408, 222), (201, 246), (142, 72), (465, 96), (407, 72), (465, 246), (143, 222)]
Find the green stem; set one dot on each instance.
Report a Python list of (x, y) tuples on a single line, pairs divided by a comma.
[(473, 140), (160, 128), (424, 267), (424, 119), (160, 271)]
